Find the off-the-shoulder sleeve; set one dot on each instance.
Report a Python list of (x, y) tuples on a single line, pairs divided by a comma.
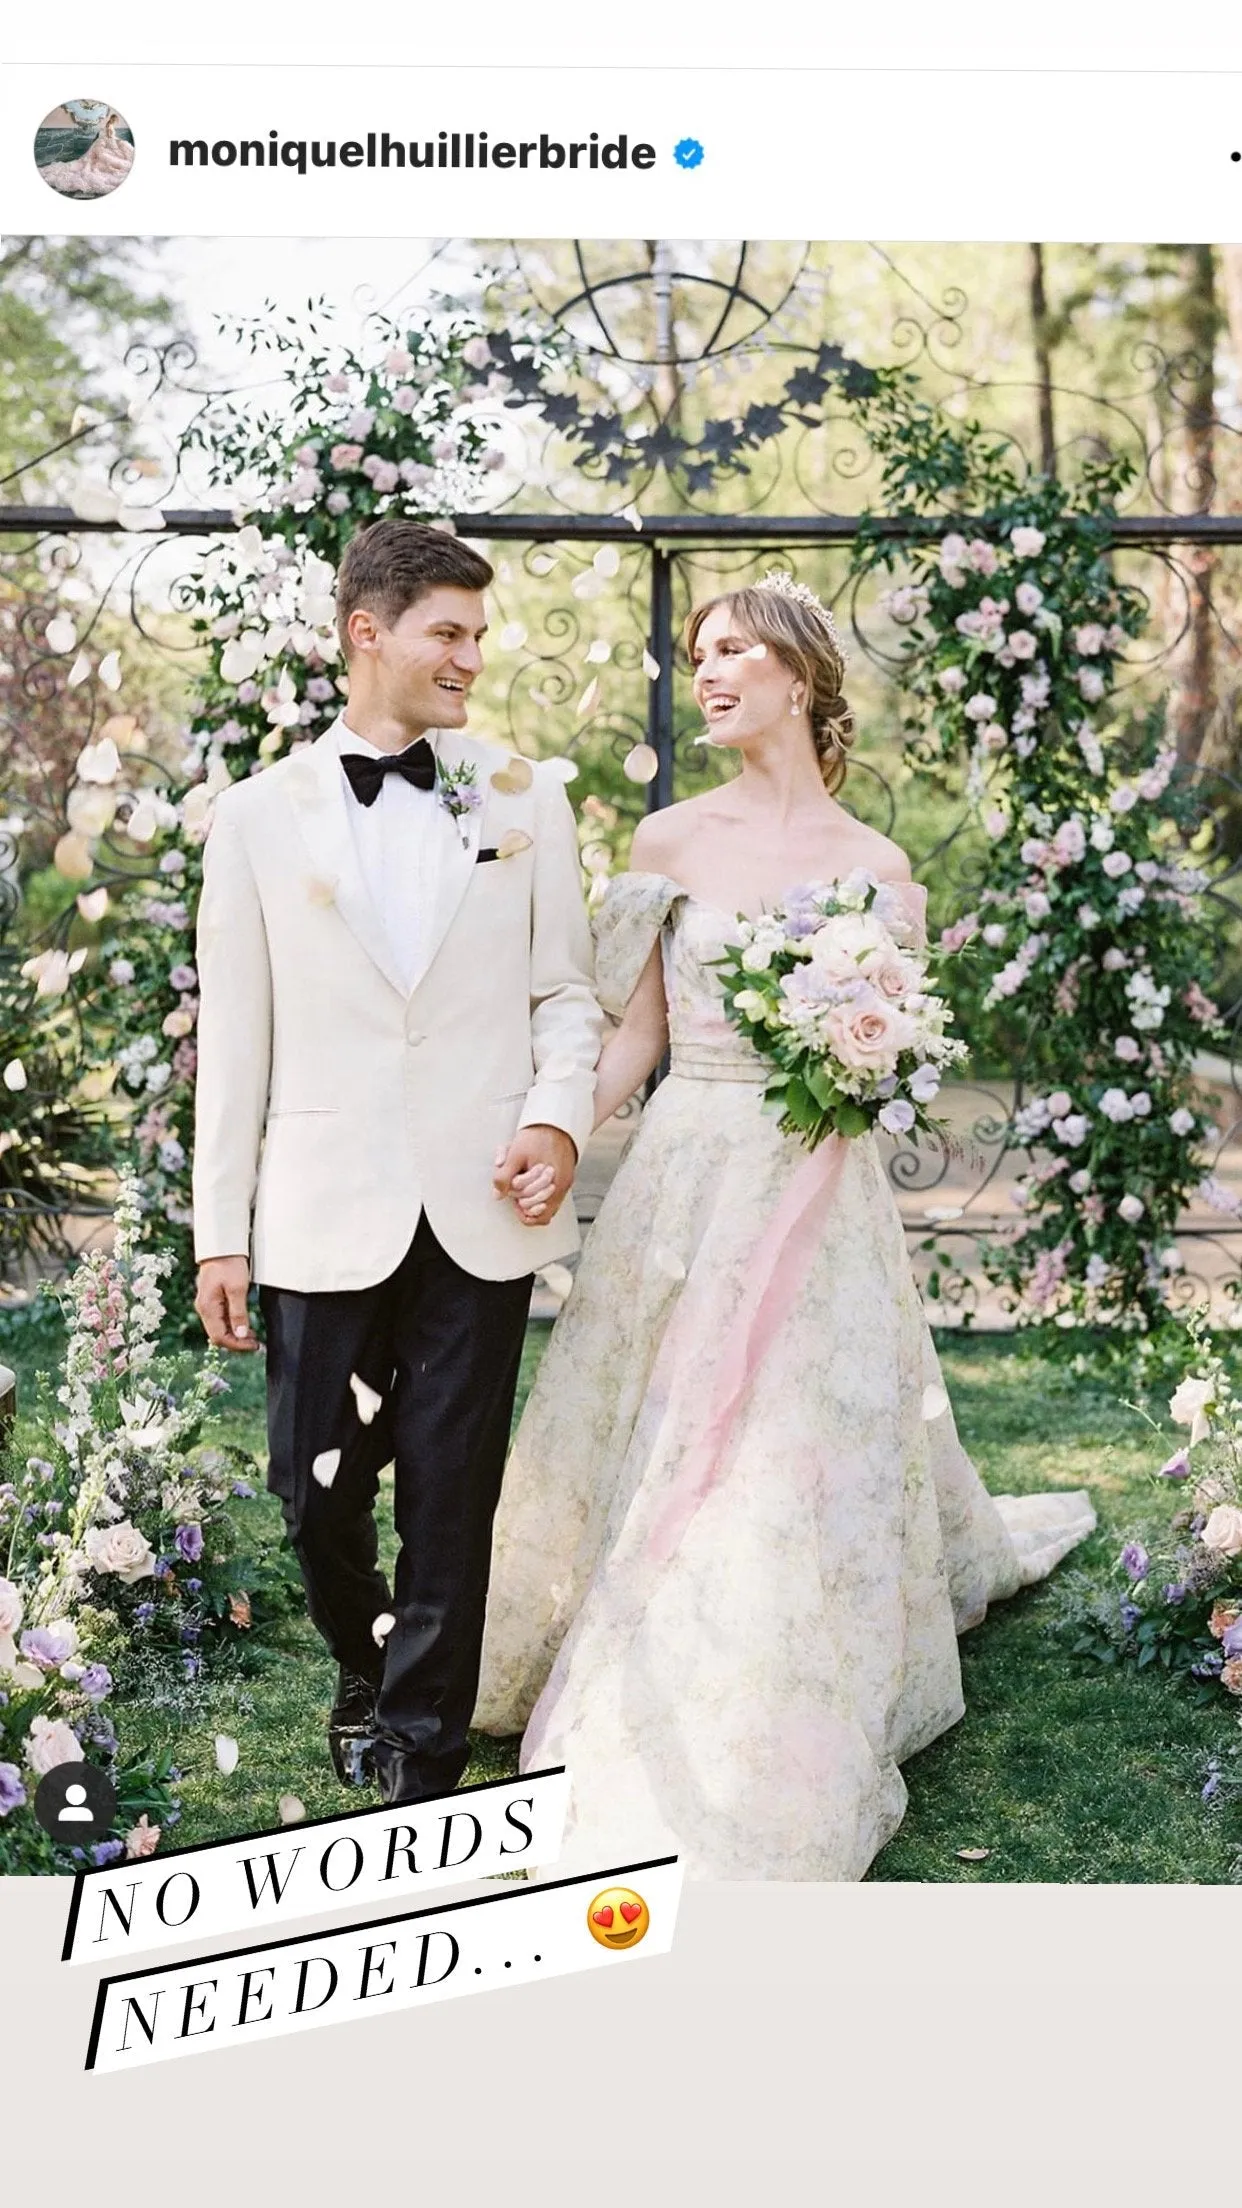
[(914, 898), (626, 924)]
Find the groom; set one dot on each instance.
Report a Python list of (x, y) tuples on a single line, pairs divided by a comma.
[(395, 1055)]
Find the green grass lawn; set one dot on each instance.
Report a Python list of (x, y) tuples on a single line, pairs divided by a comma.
[(1063, 1771)]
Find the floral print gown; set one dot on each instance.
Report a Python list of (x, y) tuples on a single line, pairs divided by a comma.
[(733, 1647)]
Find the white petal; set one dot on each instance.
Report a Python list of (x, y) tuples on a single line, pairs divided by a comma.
[(517, 776), (607, 560), (381, 1627), (367, 1400), (935, 1402), (590, 697), (599, 652), (15, 1074), (227, 1752), (513, 636), (110, 671), (588, 584), (92, 904), (61, 634), (326, 1466), (558, 1278), (91, 502), (78, 672), (565, 768), (291, 1809), (632, 515), (651, 667), (542, 563), (642, 764), (513, 841)]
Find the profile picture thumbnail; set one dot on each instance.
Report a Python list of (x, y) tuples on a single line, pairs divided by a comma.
[(84, 149)]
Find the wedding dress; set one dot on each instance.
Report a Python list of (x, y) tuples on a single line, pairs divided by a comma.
[(105, 164), (738, 1534)]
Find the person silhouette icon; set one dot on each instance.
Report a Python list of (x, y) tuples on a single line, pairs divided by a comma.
[(75, 1811)]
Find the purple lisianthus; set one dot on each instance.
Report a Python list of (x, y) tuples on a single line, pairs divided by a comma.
[(1177, 1468), (1231, 1640), (1175, 1592), (189, 1543), (12, 1792), (242, 1488), (107, 1851), (96, 1682), (48, 1646), (1130, 1615), (1135, 1560)]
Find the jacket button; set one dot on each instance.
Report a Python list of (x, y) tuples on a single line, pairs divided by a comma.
[(416, 1036)]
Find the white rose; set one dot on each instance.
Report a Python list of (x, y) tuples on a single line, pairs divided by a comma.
[(1027, 543), (10, 1607), (1181, 1121), (757, 957), (1189, 1406), (1223, 1531), (49, 1742), (1131, 1209), (121, 1549)]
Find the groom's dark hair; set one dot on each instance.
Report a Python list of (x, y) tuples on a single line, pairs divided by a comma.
[(390, 566)]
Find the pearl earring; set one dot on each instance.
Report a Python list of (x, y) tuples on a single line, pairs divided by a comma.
[(795, 704)]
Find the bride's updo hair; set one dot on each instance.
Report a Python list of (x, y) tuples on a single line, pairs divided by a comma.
[(790, 620)]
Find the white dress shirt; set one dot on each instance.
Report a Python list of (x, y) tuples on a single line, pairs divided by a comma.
[(399, 840)]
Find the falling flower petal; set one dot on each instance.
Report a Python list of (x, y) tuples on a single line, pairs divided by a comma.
[(227, 1752), (142, 822), (588, 584), (558, 1278), (91, 502), (72, 858), (326, 1466), (513, 841), (15, 1074), (944, 1211), (607, 560), (92, 904), (642, 764), (651, 667), (542, 563), (599, 652), (290, 1809), (590, 697), (99, 762), (756, 651), (513, 636), (367, 1400), (110, 671), (973, 1855), (668, 1263), (78, 672), (935, 1402), (140, 517), (632, 515), (381, 1627), (516, 777), (61, 636)]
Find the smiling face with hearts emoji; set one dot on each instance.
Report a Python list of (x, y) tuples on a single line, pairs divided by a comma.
[(617, 1917)]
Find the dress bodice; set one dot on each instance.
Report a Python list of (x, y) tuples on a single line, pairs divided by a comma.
[(639, 909)]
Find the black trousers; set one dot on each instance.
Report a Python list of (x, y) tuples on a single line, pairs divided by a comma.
[(443, 1349)]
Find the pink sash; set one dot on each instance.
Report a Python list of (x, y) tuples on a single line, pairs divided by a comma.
[(780, 1266)]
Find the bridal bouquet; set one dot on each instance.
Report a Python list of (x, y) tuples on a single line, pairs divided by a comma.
[(831, 988)]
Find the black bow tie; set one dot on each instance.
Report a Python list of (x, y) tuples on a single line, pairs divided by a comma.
[(417, 765)]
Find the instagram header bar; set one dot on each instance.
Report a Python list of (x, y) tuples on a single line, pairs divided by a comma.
[(977, 155)]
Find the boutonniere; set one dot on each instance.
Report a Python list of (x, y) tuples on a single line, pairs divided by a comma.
[(458, 791)]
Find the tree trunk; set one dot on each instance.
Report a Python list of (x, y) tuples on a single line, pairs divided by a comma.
[(1042, 340), (1194, 662)]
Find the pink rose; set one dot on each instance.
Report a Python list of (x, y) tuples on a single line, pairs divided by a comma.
[(891, 974), (869, 1035), (344, 456), (49, 1742), (141, 1839)]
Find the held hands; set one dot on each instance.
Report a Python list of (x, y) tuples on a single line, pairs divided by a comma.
[(221, 1302), (537, 1170)]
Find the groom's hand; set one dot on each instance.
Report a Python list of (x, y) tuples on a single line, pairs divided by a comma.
[(537, 1170), (223, 1283)]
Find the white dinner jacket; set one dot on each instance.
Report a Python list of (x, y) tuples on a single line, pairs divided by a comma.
[(333, 1104)]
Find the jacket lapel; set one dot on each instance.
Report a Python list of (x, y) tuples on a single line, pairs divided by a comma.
[(320, 798), (453, 753)]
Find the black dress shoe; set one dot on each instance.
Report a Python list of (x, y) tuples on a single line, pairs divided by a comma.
[(352, 1727), (403, 1775)]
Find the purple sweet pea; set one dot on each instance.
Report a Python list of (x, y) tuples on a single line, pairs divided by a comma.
[(1177, 1468), (189, 1543), (106, 1851), (1231, 1640), (1135, 1560), (96, 1682), (12, 1792), (144, 1613), (1175, 1592)]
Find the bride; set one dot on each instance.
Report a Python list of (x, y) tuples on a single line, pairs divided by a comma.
[(738, 1534)]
